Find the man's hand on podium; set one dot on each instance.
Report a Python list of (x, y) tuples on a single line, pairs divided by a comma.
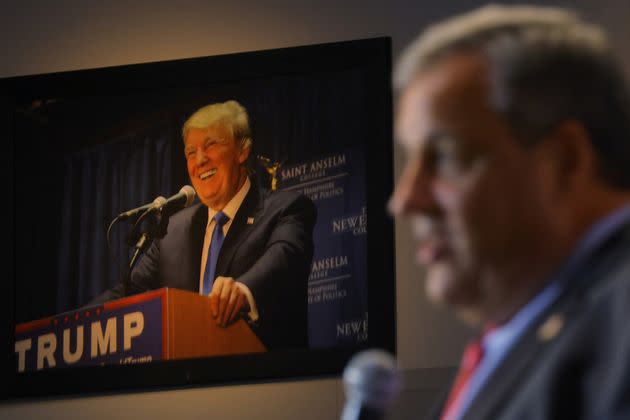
[(227, 299)]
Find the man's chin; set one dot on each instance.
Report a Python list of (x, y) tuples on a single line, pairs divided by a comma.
[(446, 286), (209, 199), (440, 282)]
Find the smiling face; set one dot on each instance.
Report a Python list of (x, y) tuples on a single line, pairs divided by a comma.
[(478, 201), (215, 164)]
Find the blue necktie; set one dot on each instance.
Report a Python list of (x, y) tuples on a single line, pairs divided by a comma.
[(213, 252)]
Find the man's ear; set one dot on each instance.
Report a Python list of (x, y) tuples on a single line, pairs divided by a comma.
[(574, 160), (245, 151)]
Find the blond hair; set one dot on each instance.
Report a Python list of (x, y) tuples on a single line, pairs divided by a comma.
[(229, 114)]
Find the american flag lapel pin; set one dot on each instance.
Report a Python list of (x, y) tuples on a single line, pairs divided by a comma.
[(250, 220), (551, 327)]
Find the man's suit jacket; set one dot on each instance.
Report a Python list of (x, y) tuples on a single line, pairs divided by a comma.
[(271, 254), (574, 361)]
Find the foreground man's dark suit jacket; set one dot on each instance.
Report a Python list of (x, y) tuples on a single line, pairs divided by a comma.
[(583, 372), (272, 256)]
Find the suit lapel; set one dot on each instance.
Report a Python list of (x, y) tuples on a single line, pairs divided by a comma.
[(239, 229), (515, 367), (519, 362)]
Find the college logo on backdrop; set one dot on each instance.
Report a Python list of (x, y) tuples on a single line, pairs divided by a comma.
[(355, 223), (337, 284)]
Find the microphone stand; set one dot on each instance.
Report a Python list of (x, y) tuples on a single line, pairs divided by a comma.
[(156, 229), (140, 246)]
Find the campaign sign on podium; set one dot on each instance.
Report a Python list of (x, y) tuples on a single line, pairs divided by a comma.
[(159, 325)]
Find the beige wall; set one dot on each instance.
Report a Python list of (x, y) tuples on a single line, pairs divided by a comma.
[(46, 36)]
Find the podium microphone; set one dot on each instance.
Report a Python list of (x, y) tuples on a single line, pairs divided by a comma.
[(165, 206), (372, 382), (184, 198), (155, 204), (162, 211)]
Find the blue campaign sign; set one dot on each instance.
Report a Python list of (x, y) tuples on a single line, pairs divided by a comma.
[(337, 292), (94, 336)]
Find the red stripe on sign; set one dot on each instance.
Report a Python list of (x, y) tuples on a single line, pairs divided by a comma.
[(132, 300), (165, 355), (33, 325)]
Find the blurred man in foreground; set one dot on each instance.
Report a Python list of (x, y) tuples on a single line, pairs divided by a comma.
[(516, 126)]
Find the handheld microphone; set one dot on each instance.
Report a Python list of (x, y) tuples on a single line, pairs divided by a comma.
[(159, 201), (372, 382)]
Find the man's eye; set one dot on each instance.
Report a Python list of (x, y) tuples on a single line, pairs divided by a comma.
[(449, 159), (210, 143), (445, 153), (448, 167)]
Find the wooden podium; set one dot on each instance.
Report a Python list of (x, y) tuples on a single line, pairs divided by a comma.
[(193, 332), (163, 324)]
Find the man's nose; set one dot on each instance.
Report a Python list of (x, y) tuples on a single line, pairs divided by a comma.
[(413, 192), (200, 156)]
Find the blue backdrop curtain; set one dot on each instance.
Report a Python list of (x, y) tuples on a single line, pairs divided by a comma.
[(134, 169)]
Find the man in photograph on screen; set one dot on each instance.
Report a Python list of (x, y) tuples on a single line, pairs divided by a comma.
[(248, 249), (516, 126)]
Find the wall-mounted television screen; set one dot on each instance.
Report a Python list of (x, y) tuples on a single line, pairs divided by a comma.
[(198, 221)]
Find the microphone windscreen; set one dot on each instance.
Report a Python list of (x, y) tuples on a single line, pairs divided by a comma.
[(190, 194), (371, 380)]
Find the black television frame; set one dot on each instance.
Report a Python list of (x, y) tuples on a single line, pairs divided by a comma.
[(372, 54)]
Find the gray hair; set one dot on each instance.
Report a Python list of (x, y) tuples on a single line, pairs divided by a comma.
[(547, 66), (230, 114)]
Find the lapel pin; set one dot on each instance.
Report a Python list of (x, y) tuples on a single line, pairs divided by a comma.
[(250, 220), (551, 327)]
